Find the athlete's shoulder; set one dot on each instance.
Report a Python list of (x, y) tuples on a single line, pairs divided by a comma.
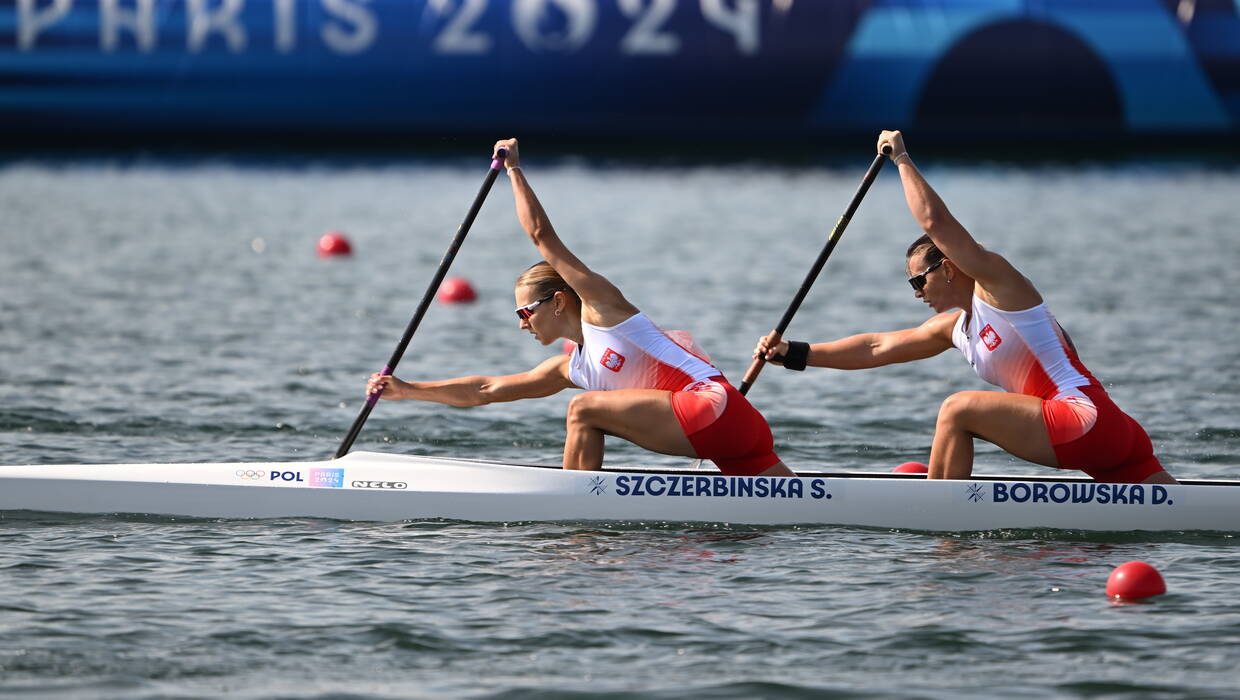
[(608, 315), (1007, 289), (942, 324), (554, 366)]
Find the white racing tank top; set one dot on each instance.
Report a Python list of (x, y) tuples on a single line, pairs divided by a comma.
[(1024, 352), (636, 354)]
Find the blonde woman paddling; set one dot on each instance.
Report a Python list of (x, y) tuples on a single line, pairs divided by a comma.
[(642, 384)]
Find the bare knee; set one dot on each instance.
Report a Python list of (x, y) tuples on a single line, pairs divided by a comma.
[(582, 410), (955, 410)]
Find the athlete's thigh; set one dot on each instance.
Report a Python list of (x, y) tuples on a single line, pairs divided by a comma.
[(1011, 421), (644, 417)]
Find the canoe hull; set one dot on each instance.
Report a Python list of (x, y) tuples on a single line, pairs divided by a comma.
[(381, 487)]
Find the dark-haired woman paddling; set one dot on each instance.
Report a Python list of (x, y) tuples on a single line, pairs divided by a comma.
[(641, 384), (1052, 411)]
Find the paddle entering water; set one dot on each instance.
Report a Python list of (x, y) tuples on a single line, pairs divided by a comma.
[(496, 163), (751, 375)]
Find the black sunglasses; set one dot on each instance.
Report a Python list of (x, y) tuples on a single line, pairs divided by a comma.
[(524, 312), (919, 281)]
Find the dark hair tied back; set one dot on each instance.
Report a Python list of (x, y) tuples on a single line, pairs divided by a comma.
[(926, 247)]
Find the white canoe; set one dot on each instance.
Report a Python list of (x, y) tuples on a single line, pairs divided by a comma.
[(385, 487)]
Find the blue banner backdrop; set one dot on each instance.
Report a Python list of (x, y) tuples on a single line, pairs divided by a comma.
[(758, 68)]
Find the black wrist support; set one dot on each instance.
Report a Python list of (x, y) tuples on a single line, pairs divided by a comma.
[(797, 355)]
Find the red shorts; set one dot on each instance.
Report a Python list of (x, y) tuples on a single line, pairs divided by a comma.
[(1099, 438), (725, 428)]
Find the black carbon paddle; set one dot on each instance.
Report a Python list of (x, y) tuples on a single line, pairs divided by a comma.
[(444, 264), (751, 375)]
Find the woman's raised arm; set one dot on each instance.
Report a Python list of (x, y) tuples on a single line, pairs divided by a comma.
[(1002, 284), (602, 302)]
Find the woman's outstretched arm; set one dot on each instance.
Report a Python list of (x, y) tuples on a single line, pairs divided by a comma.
[(546, 379), (868, 350)]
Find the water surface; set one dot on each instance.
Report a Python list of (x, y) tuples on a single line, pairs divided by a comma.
[(156, 311)]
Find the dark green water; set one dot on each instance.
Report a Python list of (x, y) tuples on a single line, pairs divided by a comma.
[(157, 312)]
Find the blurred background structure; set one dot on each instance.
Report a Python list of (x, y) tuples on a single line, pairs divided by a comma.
[(764, 70)]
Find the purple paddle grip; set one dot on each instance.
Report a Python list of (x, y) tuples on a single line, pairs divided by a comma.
[(374, 398), (498, 161)]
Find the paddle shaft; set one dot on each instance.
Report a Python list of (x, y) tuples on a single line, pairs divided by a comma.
[(444, 264), (751, 375)]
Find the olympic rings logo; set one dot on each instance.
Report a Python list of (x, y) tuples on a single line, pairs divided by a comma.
[(253, 474)]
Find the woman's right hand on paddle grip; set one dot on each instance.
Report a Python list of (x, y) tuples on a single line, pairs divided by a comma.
[(894, 139), (513, 159)]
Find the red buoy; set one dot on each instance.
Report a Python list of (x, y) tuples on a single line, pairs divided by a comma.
[(334, 243), (1135, 580), (911, 468), (456, 290)]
